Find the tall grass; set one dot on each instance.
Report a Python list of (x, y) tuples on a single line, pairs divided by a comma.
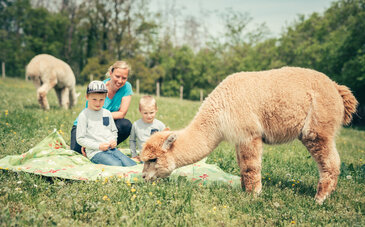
[(289, 178)]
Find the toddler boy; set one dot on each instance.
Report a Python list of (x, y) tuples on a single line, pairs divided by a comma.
[(143, 128)]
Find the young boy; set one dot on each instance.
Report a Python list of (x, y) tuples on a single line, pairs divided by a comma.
[(143, 128), (96, 130)]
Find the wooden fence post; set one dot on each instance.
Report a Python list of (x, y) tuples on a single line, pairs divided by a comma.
[(91, 76), (201, 95), (137, 86), (3, 69), (158, 89), (181, 92)]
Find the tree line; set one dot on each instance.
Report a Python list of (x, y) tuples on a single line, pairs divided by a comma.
[(90, 35)]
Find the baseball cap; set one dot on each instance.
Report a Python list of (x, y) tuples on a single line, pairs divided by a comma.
[(96, 86)]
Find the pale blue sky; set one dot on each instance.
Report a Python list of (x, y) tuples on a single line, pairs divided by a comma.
[(275, 13)]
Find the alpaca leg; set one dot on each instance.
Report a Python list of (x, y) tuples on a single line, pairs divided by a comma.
[(323, 150), (58, 93), (65, 98), (73, 97), (42, 94), (249, 159)]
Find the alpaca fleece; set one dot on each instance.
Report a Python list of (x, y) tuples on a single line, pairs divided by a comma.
[(252, 108), (48, 72)]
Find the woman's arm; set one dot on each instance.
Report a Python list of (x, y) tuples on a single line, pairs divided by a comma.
[(126, 101)]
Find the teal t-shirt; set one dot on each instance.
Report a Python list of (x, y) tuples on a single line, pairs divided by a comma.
[(113, 104)]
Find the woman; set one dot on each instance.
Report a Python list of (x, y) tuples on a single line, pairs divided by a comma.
[(117, 101)]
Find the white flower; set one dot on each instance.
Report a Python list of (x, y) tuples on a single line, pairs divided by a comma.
[(19, 182), (348, 177)]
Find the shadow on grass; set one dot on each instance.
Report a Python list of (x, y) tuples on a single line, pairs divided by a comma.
[(299, 188), (38, 107)]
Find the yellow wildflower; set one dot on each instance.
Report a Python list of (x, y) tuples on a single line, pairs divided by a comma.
[(292, 222), (150, 193), (158, 202), (105, 197), (133, 189), (135, 179), (133, 197)]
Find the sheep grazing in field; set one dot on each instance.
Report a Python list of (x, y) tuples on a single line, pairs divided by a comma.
[(47, 72), (252, 108)]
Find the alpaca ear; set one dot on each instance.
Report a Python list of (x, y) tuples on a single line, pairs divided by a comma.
[(169, 141)]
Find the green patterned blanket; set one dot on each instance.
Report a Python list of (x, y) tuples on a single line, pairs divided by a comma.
[(52, 158)]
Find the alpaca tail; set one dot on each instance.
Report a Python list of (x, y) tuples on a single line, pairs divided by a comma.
[(349, 101)]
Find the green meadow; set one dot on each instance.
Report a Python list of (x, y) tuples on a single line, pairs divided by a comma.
[(289, 178)]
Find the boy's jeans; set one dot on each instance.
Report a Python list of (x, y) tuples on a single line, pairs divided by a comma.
[(112, 157)]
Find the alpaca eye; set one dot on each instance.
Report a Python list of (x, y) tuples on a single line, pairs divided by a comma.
[(153, 160)]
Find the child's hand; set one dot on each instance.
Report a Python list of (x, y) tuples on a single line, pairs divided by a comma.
[(136, 159), (112, 144), (104, 146)]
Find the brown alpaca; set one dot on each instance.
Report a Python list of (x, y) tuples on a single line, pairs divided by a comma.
[(252, 108), (47, 72)]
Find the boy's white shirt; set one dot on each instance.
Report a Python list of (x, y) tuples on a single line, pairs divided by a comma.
[(91, 131), (140, 133)]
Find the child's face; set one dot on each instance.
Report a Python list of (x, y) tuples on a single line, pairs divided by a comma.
[(148, 113), (96, 100)]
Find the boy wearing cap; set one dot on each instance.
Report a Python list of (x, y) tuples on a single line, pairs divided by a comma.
[(96, 130)]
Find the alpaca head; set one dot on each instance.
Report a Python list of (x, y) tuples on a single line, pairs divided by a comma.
[(157, 155)]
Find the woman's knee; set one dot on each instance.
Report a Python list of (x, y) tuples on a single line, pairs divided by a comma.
[(123, 124)]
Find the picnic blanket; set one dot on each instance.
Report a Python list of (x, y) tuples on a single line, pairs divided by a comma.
[(51, 158)]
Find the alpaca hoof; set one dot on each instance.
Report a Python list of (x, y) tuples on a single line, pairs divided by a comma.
[(320, 200)]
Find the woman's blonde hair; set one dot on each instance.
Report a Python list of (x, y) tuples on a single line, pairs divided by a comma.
[(119, 65)]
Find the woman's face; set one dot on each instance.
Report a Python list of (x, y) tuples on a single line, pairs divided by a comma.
[(118, 77)]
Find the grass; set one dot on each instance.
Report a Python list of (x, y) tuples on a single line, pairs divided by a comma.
[(289, 178)]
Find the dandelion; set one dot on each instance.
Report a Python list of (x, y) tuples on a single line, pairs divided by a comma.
[(133, 197), (7, 124), (6, 112), (14, 133), (224, 206), (23, 141), (135, 179), (292, 222), (153, 183), (105, 180), (133, 190), (214, 208), (150, 193), (105, 197), (158, 202), (102, 170), (293, 185)]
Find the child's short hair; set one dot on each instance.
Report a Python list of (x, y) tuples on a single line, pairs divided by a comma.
[(147, 100)]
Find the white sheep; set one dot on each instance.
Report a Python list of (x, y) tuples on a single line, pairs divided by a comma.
[(252, 108), (47, 72)]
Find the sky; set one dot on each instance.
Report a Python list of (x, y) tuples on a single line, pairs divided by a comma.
[(277, 14)]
